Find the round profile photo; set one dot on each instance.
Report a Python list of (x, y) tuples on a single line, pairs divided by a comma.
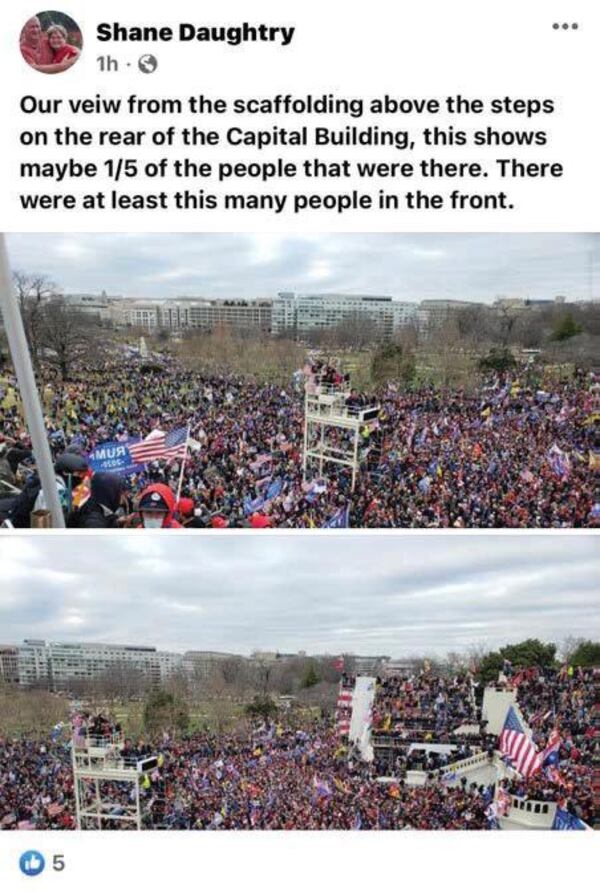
[(50, 42)]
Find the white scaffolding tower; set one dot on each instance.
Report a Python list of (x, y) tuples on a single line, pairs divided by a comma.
[(98, 765), (332, 428)]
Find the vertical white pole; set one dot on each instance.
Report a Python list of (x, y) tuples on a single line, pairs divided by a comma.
[(355, 457), (180, 484), (138, 809), (98, 811), (34, 418), (76, 783), (305, 457), (321, 449)]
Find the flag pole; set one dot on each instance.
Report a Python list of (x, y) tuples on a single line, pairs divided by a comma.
[(34, 419), (180, 484)]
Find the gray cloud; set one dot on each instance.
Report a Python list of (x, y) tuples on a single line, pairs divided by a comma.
[(474, 266), (363, 593)]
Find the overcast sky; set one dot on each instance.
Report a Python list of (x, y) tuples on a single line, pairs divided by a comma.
[(411, 267), (367, 594)]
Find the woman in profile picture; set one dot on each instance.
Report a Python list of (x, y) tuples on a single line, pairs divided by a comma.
[(63, 54), (47, 51)]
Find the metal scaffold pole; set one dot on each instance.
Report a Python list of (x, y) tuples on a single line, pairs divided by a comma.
[(32, 407), (327, 409)]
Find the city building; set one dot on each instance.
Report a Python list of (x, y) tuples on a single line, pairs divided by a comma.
[(98, 306), (505, 303), (140, 314), (200, 665), (55, 665), (298, 315), (9, 664), (302, 314), (434, 312), (398, 666), (33, 664), (235, 314), (369, 665), (265, 657), (169, 663), (175, 315)]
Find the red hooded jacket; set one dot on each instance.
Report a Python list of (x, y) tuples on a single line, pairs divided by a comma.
[(167, 497)]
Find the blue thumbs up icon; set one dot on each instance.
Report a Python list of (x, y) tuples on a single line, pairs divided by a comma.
[(32, 863)]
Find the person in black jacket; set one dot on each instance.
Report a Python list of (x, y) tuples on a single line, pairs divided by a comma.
[(100, 510), (70, 469)]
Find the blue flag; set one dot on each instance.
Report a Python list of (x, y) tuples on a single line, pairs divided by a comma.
[(253, 505), (274, 489), (566, 821), (424, 484), (115, 457), (340, 519)]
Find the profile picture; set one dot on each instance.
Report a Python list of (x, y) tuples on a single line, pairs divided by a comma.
[(50, 42)]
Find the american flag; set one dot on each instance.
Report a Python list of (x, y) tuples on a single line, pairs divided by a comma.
[(559, 461), (515, 744), (160, 445), (176, 443), (343, 711), (550, 753)]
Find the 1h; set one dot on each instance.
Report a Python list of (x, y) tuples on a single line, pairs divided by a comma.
[(107, 63)]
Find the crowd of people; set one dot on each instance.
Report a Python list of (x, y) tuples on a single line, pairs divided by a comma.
[(561, 706), (437, 712), (36, 785), (279, 779), (276, 776), (431, 704), (503, 456)]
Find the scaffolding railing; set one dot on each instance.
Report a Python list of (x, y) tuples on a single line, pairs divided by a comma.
[(100, 771), (329, 412)]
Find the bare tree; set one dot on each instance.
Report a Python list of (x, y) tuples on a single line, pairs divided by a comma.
[(447, 355), (507, 320), (568, 647), (30, 713), (457, 661), (33, 290), (67, 336), (322, 695)]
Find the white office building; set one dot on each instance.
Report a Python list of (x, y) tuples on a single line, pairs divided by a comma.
[(54, 665), (98, 306), (193, 313), (32, 663), (304, 313)]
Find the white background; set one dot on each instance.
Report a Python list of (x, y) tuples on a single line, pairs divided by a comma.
[(427, 49), (306, 862), (418, 49)]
